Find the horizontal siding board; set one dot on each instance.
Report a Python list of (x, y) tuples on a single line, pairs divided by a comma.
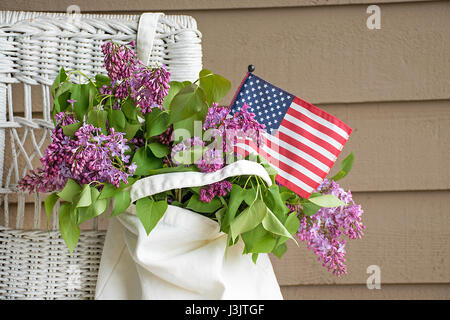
[(328, 55), (360, 292), (145, 5), (397, 146), (407, 236)]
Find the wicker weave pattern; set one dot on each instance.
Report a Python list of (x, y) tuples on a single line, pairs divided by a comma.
[(33, 47), (36, 265)]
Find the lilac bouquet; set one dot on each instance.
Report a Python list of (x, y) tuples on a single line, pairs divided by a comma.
[(114, 130)]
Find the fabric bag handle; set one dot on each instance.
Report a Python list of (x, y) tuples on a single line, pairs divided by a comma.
[(148, 23), (176, 180)]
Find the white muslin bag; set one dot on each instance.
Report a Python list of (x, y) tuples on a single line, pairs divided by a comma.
[(183, 257)]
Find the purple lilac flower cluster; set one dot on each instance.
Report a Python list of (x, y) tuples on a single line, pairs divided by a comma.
[(90, 157), (183, 146), (215, 117), (130, 77), (322, 232), (220, 189), (225, 130)]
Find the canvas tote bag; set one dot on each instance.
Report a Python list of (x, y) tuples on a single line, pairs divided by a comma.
[(184, 255)]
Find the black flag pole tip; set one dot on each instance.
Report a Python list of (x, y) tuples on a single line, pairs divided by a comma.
[(251, 68)]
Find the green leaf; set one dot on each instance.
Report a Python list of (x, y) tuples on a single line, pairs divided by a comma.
[(70, 129), (93, 95), (80, 93), (237, 195), (275, 203), (102, 80), (272, 224), (85, 199), (197, 205), (97, 207), (270, 169), (60, 104), (258, 240), (61, 77), (49, 204), (310, 208), (131, 129), (70, 190), (250, 196), (175, 87), (287, 195), (248, 219), (346, 166), (188, 101), (156, 122), (98, 119), (130, 110), (214, 86), (65, 88), (254, 257), (292, 224), (159, 150), (150, 212), (70, 231), (122, 201), (145, 161), (173, 169), (108, 191), (280, 250), (220, 214), (327, 201), (118, 120)]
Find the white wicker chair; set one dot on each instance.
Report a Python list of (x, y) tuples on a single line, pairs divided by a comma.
[(34, 262)]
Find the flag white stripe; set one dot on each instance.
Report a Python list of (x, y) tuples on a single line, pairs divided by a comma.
[(292, 164), (281, 172), (320, 120), (284, 160), (246, 147), (298, 152), (308, 142), (313, 131), (296, 181)]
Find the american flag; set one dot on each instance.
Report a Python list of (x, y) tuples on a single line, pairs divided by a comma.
[(302, 141)]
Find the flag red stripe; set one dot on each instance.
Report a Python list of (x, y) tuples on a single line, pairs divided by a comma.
[(305, 148), (286, 167), (318, 126), (306, 134), (289, 154), (294, 172), (323, 114)]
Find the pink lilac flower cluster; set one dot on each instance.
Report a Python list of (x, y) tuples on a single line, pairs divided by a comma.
[(215, 117), (244, 125), (89, 157), (130, 77), (225, 130), (322, 232), (220, 189)]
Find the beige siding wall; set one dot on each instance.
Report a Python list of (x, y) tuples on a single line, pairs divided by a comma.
[(391, 85)]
